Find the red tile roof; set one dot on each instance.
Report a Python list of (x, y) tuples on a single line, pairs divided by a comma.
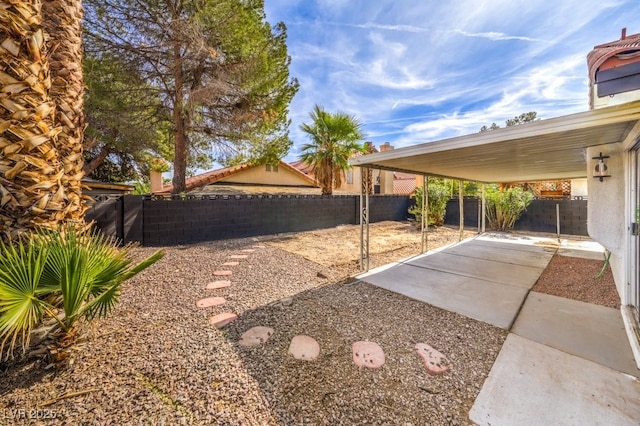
[(602, 52), (214, 176)]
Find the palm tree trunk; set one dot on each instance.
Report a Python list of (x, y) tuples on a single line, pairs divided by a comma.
[(62, 21), (31, 193)]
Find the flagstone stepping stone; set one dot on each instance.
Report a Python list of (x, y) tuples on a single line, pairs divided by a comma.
[(218, 284), (434, 361), (231, 264), (248, 250), (210, 301), (222, 319), (255, 336), (304, 348), (239, 256), (259, 247), (222, 273), (368, 354)]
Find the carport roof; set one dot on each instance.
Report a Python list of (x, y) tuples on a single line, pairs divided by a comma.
[(541, 150)]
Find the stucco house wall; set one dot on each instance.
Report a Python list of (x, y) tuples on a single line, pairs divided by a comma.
[(606, 208), (267, 175)]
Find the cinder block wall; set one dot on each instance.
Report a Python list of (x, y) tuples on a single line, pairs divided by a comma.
[(167, 222)]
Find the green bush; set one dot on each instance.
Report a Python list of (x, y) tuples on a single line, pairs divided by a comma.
[(504, 208), (438, 196), (65, 275)]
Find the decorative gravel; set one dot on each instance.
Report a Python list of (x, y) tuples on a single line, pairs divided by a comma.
[(157, 360)]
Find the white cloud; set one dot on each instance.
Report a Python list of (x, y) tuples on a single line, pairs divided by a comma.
[(494, 35)]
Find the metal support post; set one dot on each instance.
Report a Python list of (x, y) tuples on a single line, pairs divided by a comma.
[(424, 228), (365, 175), (484, 206), (461, 204)]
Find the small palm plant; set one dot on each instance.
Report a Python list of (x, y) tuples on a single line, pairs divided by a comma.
[(65, 275)]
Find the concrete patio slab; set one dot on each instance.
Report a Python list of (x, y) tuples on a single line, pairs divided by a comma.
[(485, 280), (483, 300), (586, 330), (491, 270), (518, 254), (534, 384)]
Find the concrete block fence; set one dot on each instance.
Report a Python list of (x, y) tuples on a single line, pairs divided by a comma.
[(168, 221), (177, 220)]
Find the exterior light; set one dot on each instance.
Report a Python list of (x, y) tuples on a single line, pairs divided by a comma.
[(601, 170)]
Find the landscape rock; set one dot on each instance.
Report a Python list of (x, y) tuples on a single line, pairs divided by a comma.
[(304, 348), (434, 361), (256, 336), (210, 301), (214, 285), (222, 273), (222, 319), (368, 354)]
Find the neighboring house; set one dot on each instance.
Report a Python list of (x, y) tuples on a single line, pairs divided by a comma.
[(601, 145), (281, 175), (384, 182)]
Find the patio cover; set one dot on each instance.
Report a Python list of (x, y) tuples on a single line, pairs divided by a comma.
[(540, 150)]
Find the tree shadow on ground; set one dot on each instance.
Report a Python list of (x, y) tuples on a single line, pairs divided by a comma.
[(332, 390)]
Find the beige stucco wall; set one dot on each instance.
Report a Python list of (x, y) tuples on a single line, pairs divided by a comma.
[(606, 209), (259, 175)]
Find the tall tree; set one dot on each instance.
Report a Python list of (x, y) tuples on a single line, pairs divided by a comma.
[(334, 139), (525, 117), (62, 21), (32, 174), (125, 122), (219, 67)]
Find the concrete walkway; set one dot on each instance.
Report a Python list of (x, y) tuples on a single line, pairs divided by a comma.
[(564, 363)]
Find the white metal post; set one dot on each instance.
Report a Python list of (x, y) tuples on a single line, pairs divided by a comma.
[(461, 204), (484, 206)]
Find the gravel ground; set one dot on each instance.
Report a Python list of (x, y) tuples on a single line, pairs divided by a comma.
[(156, 359)]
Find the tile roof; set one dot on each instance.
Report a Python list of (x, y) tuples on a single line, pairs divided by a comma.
[(602, 52), (214, 176)]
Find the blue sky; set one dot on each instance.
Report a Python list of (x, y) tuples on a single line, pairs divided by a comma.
[(417, 71)]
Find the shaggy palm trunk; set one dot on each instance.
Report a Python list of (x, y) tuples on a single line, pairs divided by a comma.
[(63, 25), (31, 173)]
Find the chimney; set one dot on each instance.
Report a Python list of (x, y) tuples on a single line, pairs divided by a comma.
[(624, 34), (385, 147)]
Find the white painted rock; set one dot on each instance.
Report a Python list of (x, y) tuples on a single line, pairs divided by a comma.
[(368, 354), (304, 347), (210, 301), (222, 319), (256, 336), (434, 361), (218, 284)]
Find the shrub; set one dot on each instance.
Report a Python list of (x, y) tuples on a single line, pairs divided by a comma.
[(438, 196), (504, 208), (65, 275)]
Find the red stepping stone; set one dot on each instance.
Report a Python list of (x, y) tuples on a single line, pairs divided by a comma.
[(256, 336), (210, 301), (218, 284), (222, 319), (434, 361), (231, 264), (304, 348), (238, 256), (368, 354), (222, 273)]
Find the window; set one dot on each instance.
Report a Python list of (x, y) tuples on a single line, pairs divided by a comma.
[(268, 167), (271, 168)]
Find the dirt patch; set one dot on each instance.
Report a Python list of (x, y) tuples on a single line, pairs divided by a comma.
[(574, 278), (339, 248)]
